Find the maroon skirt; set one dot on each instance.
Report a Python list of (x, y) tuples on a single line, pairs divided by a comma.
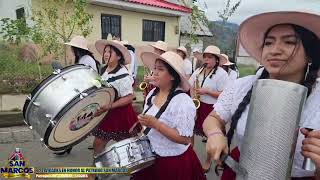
[(202, 113), (117, 123), (183, 167)]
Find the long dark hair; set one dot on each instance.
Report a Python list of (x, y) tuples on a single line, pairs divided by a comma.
[(79, 53), (311, 44)]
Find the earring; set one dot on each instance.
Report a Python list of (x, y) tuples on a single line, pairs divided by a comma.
[(308, 68)]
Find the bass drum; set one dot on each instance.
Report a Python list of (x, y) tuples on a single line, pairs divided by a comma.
[(61, 108)]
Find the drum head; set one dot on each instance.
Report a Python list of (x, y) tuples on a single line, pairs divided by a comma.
[(76, 120)]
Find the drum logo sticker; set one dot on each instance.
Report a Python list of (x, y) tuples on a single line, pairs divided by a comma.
[(83, 117), (16, 166)]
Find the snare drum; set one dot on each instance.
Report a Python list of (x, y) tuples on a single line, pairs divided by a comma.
[(132, 153), (61, 108)]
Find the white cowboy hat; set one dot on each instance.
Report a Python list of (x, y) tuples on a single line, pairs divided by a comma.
[(79, 42), (125, 42), (173, 59), (197, 50), (252, 30), (101, 44), (183, 49), (160, 45), (215, 51), (225, 61)]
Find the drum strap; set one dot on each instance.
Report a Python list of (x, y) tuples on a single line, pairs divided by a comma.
[(112, 79), (162, 109)]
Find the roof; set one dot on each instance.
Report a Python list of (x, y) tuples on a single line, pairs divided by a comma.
[(162, 4), (185, 27)]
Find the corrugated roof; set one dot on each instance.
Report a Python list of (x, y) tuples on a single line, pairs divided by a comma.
[(162, 4)]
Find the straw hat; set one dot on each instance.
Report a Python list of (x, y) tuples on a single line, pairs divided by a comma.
[(125, 42), (225, 61), (215, 51), (252, 30), (101, 44), (79, 42), (160, 45), (183, 49), (173, 59)]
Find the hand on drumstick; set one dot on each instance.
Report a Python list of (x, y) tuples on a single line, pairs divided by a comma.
[(102, 110), (147, 120)]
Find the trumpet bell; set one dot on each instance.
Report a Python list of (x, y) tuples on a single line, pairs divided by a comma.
[(196, 103)]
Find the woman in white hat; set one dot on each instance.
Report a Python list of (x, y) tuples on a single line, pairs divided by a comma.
[(79, 47), (226, 65), (159, 48), (182, 51), (207, 82), (172, 129), (287, 45), (121, 115)]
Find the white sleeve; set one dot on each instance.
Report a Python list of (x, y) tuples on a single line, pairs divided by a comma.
[(183, 112), (222, 80), (89, 61), (188, 67), (311, 113), (224, 103), (124, 86)]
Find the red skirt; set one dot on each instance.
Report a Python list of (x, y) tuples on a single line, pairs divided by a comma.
[(202, 113), (228, 174), (117, 123), (183, 167)]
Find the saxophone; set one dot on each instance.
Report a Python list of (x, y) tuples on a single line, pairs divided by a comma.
[(196, 96), (143, 85)]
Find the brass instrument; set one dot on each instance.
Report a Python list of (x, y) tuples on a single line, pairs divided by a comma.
[(196, 96), (143, 85)]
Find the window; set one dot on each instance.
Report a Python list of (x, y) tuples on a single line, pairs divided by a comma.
[(153, 30), (20, 14), (110, 24)]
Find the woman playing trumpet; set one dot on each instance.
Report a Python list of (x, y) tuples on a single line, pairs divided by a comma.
[(211, 82)]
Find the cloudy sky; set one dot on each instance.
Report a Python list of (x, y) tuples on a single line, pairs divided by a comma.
[(250, 7)]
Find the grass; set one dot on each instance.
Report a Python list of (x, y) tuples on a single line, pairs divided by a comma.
[(17, 76), (245, 70)]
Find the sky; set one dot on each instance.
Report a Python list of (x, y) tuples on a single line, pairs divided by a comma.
[(248, 8)]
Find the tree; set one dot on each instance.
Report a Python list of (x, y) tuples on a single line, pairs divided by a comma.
[(227, 11), (56, 21)]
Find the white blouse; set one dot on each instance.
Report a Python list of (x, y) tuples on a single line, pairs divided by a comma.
[(233, 75), (123, 85), (89, 61), (232, 96), (218, 82), (179, 114), (187, 65)]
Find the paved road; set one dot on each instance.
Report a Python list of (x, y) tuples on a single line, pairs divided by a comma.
[(39, 156)]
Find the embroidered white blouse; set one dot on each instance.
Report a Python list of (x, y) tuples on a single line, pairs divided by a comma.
[(232, 96), (179, 114), (123, 85), (218, 82)]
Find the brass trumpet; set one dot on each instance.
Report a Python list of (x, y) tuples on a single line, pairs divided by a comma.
[(196, 96), (144, 85)]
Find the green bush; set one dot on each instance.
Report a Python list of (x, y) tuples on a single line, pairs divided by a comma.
[(17, 76)]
